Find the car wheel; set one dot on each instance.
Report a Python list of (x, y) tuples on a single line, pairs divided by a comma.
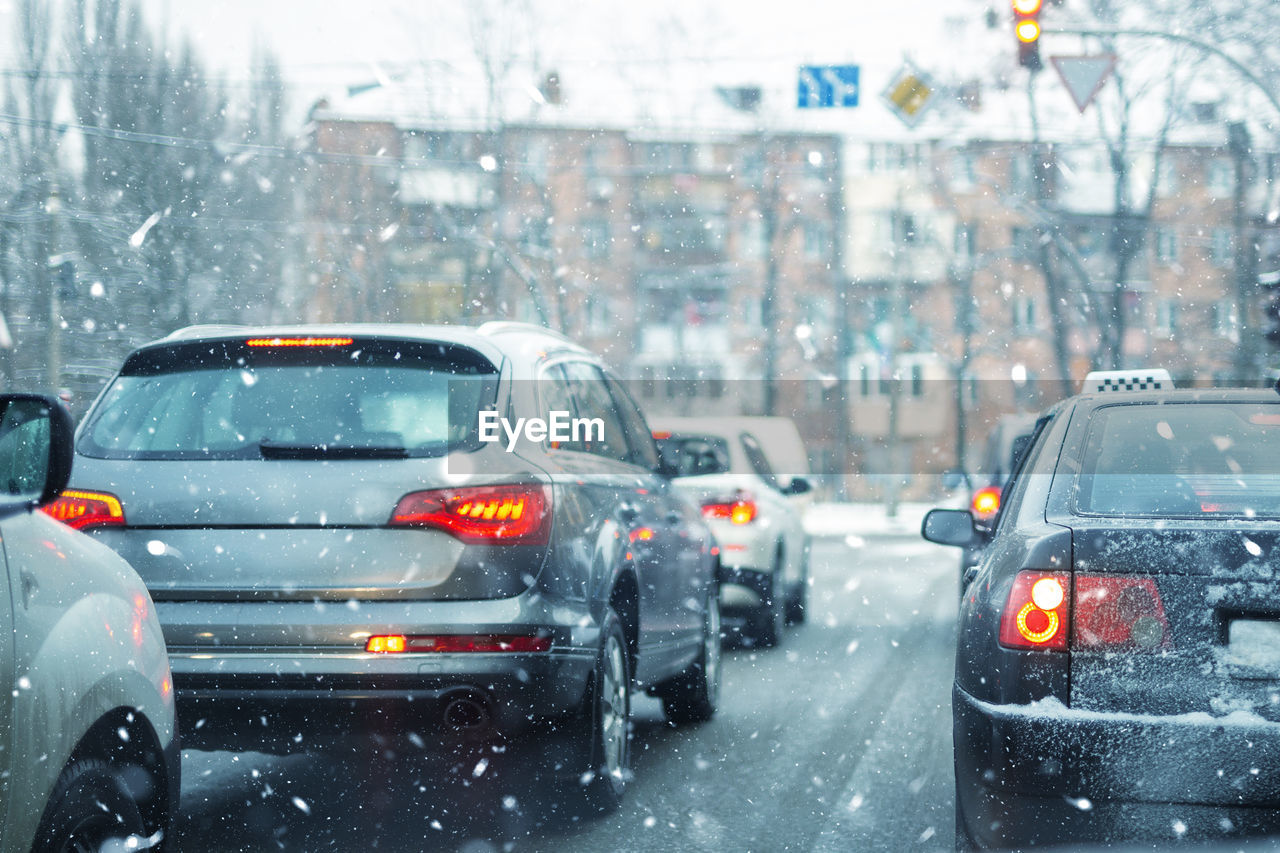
[(798, 601), (90, 805), (693, 696), (605, 737), (771, 616)]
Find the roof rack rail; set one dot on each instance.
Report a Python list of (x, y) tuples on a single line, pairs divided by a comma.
[(497, 327), (202, 330)]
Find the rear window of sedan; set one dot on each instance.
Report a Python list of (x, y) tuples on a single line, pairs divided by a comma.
[(695, 455), (1183, 459), (231, 401)]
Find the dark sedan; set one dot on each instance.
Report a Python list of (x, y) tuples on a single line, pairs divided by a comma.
[(461, 532), (1118, 667)]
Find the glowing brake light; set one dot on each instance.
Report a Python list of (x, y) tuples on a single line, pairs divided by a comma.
[(741, 511), (1036, 612), (986, 502), (385, 643), (514, 514), (1119, 612), (397, 643), (83, 510), (299, 342)]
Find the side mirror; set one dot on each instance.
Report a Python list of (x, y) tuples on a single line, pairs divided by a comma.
[(35, 451), (798, 486), (949, 527)]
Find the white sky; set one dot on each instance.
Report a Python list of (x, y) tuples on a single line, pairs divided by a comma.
[(326, 43)]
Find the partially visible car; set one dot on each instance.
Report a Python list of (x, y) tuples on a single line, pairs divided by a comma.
[(1117, 670), (726, 470), (88, 746), (381, 529), (1005, 446)]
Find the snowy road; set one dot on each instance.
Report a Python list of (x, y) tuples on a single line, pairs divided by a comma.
[(840, 739)]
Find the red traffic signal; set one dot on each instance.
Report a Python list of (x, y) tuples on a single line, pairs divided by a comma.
[(1026, 26)]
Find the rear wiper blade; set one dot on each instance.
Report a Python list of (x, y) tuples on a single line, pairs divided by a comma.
[(286, 450)]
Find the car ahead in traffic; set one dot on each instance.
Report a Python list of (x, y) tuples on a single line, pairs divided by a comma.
[(457, 530), (1005, 445), (1117, 670), (724, 468), (88, 748)]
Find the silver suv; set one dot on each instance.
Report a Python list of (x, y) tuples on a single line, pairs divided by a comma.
[(401, 529)]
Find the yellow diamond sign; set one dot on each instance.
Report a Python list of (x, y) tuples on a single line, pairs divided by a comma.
[(909, 94)]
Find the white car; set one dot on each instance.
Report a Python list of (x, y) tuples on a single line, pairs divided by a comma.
[(722, 465), (88, 750)]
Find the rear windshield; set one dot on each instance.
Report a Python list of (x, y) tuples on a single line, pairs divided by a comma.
[(230, 401), (695, 455), (1186, 459)]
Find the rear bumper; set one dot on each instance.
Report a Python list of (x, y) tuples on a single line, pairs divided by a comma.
[(1042, 773), (261, 697), (309, 681)]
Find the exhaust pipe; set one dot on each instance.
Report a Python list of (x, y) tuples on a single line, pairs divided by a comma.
[(466, 713)]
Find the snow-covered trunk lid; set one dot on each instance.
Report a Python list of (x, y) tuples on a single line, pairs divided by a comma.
[(1176, 617)]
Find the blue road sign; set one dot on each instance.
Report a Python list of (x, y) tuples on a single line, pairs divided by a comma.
[(827, 86)]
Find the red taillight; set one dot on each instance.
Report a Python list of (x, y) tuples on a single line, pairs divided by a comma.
[(394, 643), (1036, 612), (1117, 612), (299, 342), (986, 502), (661, 434), (83, 510), (741, 511), (515, 514)]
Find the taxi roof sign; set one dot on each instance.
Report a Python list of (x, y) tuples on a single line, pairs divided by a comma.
[(1147, 379)]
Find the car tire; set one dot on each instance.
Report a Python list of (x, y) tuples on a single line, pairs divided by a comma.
[(965, 842), (90, 805), (604, 726), (770, 618), (693, 696), (798, 601)]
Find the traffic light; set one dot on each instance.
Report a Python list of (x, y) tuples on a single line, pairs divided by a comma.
[(1026, 26), (1271, 314)]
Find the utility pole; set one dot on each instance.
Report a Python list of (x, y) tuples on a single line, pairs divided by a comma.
[(53, 354), (900, 307), (769, 179), (1238, 144)]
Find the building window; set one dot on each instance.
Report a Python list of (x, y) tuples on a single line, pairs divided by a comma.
[(751, 237), (595, 238), (1220, 178), (1167, 179), (1024, 315), (963, 172), (817, 241), (1166, 317), (1220, 247), (1166, 245), (1226, 320), (1022, 241)]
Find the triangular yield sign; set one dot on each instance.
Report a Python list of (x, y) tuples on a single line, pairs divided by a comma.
[(1084, 75)]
